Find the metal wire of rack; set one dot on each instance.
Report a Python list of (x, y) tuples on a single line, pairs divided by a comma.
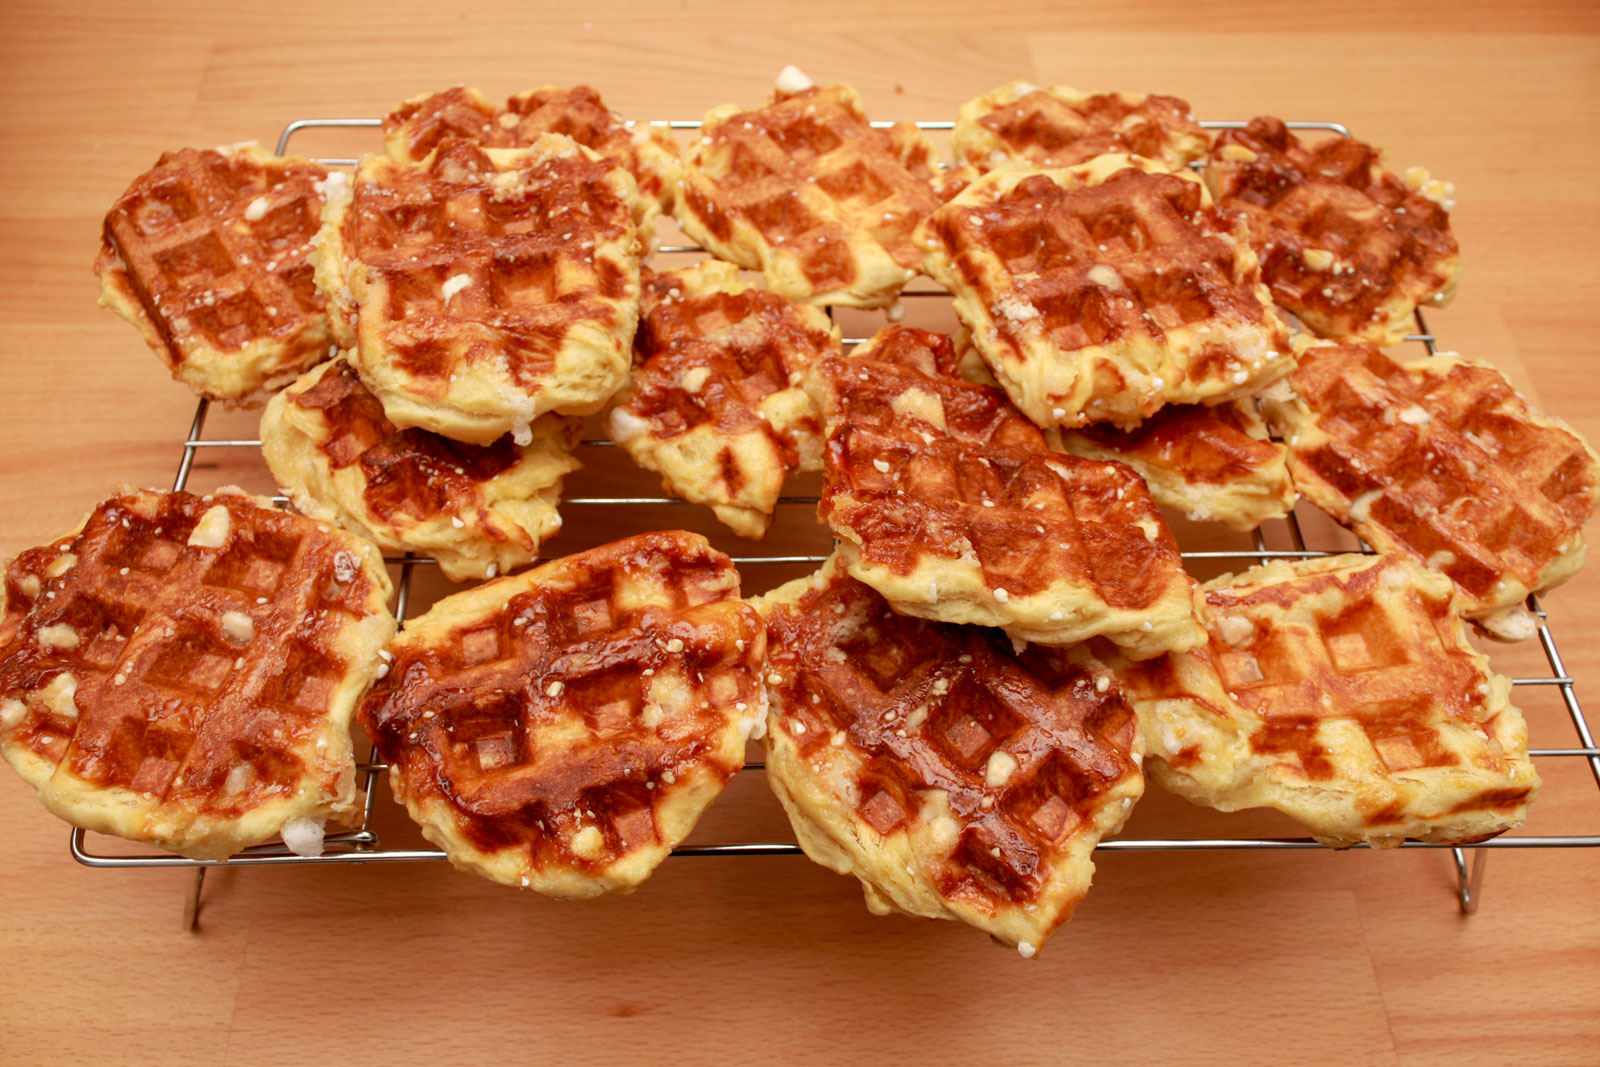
[(364, 845)]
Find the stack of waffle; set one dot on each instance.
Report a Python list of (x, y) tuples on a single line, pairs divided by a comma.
[(958, 705)]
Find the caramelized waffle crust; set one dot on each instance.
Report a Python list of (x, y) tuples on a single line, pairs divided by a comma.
[(1101, 292), (1022, 124), (950, 504), (1213, 463), (484, 287), (1442, 461), (806, 191), (206, 253), (1343, 692), (181, 670), (954, 777), (714, 402), (478, 510), (421, 124), (563, 729), (1348, 247)]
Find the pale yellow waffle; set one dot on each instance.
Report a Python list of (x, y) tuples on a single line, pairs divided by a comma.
[(1040, 128), (484, 287), (1101, 292), (479, 510), (1213, 463), (955, 777), (951, 505), (806, 191), (1441, 460), (181, 670), (417, 127), (1348, 247), (714, 402), (1343, 692), (564, 728), (206, 253)]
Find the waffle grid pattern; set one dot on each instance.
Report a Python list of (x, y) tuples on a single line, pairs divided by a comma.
[(205, 283), (521, 284), (1311, 214), (806, 180), (571, 705), (1383, 648), (931, 478), (1103, 291), (715, 387), (937, 705), (111, 604), (1404, 440), (416, 128), (1059, 127)]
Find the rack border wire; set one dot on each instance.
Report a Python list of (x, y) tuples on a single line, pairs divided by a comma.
[(364, 845)]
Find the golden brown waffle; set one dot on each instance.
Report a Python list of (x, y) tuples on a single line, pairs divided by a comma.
[(485, 287), (1060, 126), (1348, 247), (649, 153), (206, 253), (479, 510), (954, 777), (181, 670), (1213, 463), (563, 729), (1341, 691), (806, 191), (950, 504), (1442, 461), (714, 402), (1100, 292)]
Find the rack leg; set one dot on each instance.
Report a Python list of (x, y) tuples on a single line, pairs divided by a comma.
[(1469, 884), (191, 903)]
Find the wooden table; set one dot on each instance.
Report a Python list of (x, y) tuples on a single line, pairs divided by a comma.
[(1180, 958)]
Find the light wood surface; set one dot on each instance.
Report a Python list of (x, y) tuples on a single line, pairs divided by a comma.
[(1181, 958)]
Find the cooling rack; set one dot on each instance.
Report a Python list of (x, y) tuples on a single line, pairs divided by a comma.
[(1288, 538)]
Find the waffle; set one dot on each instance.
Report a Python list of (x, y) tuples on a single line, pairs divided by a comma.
[(950, 504), (563, 729), (485, 287), (1341, 691), (206, 253), (1348, 247), (954, 777), (1100, 292), (1039, 128), (713, 402), (181, 670), (1213, 463), (1442, 461), (806, 191), (649, 153), (478, 510)]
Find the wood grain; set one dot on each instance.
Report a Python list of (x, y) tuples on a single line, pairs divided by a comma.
[(1186, 958)]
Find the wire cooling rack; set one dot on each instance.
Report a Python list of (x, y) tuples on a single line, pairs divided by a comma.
[(1287, 538)]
